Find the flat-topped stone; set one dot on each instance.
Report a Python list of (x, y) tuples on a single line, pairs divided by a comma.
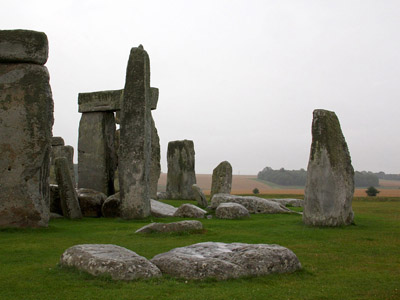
[(23, 46), (104, 259), (182, 226), (100, 101), (223, 261)]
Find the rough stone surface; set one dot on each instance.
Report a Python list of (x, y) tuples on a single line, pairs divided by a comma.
[(96, 152), (25, 46), (289, 202), (154, 97), (254, 205), (199, 196), (181, 226), (69, 198), (162, 210), (181, 175), (135, 138), (104, 259), (57, 141), (223, 261), (231, 211), (162, 195), (155, 166), (26, 120), (100, 101), (55, 216), (330, 175), (55, 200), (221, 179), (91, 202), (62, 151), (190, 211), (111, 207)]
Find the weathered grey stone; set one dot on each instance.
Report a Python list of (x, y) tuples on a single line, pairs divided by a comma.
[(100, 101), (62, 151), (26, 120), (254, 205), (162, 210), (330, 175), (231, 211), (55, 200), (155, 166), (111, 207), (181, 175), (68, 195), (55, 216), (154, 97), (289, 202), (135, 138), (57, 141), (199, 196), (181, 226), (223, 261), (162, 195), (25, 46), (190, 211), (221, 179), (91, 202), (103, 259), (96, 152)]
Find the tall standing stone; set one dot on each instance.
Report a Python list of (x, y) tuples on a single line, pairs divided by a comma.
[(26, 120), (181, 175), (221, 179), (96, 151), (62, 151), (155, 166), (135, 137), (330, 175)]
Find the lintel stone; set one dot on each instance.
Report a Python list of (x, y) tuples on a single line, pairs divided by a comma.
[(100, 101)]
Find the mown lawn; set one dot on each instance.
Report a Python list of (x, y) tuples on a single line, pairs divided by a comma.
[(354, 262)]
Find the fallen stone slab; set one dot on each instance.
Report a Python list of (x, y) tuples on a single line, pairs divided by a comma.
[(105, 259), (223, 261), (55, 216), (91, 202), (231, 211), (190, 211), (162, 210), (289, 202), (254, 205), (182, 226)]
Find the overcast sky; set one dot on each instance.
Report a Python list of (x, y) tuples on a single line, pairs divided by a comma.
[(239, 78)]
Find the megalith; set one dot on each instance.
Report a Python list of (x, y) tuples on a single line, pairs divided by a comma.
[(155, 166), (330, 175), (135, 137), (181, 174), (58, 149), (221, 179), (26, 120)]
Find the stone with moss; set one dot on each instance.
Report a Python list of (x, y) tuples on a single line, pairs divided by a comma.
[(330, 175), (221, 179)]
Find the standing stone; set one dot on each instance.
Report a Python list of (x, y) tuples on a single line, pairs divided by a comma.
[(135, 137), (57, 141), (96, 151), (181, 175), (26, 120), (221, 179), (69, 198), (330, 175), (62, 151), (155, 167)]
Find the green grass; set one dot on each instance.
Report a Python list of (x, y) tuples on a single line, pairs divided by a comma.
[(354, 262)]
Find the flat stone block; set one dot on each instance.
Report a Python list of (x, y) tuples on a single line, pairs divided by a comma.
[(100, 101)]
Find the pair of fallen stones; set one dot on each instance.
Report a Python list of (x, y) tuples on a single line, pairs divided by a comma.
[(199, 261)]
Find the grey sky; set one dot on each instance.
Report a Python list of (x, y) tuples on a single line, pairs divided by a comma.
[(239, 78)]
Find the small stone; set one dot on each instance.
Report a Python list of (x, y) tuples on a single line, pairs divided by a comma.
[(190, 211), (91, 202), (55, 216), (182, 226), (111, 207), (199, 196), (57, 141), (231, 211)]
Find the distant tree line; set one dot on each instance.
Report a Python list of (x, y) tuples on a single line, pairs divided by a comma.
[(299, 177), (382, 175)]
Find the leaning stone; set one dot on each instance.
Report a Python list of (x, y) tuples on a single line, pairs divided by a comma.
[(55, 201), (253, 204), (100, 101), (182, 226), (26, 120), (330, 175), (57, 141), (155, 166), (181, 175), (91, 202), (68, 153), (135, 138), (69, 198), (223, 261), (23, 46), (190, 211), (199, 196), (231, 211), (111, 207), (103, 259), (221, 179), (289, 202), (162, 210)]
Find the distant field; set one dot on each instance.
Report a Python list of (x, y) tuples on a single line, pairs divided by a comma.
[(244, 184)]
